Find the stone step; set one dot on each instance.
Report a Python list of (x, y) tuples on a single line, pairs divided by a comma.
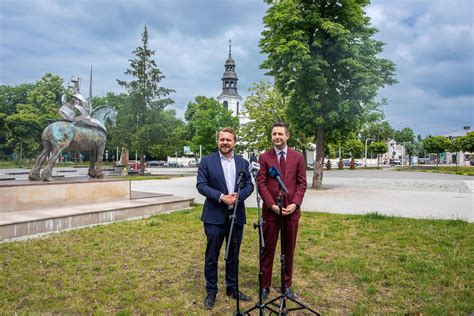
[(47, 220)]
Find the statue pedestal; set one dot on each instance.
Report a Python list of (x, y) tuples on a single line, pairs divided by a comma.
[(28, 195), (30, 208)]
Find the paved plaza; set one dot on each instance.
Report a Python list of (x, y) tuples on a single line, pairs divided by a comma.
[(393, 193), (388, 192)]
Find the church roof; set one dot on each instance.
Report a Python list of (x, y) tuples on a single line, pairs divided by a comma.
[(230, 61), (229, 92)]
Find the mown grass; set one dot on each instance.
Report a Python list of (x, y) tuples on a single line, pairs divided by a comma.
[(344, 264), (461, 170)]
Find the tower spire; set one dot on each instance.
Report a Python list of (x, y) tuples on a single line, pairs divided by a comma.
[(229, 96)]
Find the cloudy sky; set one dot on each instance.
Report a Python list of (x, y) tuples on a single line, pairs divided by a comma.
[(431, 42)]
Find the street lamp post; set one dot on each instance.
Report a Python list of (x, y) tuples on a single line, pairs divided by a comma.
[(365, 159)]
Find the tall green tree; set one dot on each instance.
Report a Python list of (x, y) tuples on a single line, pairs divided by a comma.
[(25, 125), (380, 130), (205, 118), (146, 93), (323, 56), (466, 143), (436, 145), (404, 135), (264, 106), (378, 148), (354, 148), (11, 96)]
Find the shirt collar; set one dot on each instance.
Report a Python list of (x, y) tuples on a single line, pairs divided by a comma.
[(224, 157), (277, 151)]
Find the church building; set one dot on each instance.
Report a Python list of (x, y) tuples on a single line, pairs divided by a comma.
[(229, 97)]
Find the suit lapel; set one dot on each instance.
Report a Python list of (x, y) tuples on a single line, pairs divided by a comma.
[(274, 159), (289, 160)]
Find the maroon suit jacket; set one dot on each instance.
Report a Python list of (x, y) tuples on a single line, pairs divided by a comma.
[(294, 179)]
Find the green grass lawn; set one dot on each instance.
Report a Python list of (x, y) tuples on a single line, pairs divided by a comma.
[(344, 264), (462, 170)]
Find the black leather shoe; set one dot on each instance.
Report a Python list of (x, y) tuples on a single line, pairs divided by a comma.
[(289, 293), (242, 296), (265, 293), (210, 300)]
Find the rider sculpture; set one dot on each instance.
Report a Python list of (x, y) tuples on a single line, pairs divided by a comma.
[(77, 108), (81, 129)]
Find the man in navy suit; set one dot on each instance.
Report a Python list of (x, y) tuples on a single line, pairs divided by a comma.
[(217, 181)]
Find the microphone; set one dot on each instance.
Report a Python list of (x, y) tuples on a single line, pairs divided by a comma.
[(275, 173), (241, 176), (254, 168), (239, 183)]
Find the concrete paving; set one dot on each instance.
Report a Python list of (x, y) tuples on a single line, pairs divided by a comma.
[(393, 193), (388, 192)]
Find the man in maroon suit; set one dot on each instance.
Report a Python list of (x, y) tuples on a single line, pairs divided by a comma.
[(293, 173)]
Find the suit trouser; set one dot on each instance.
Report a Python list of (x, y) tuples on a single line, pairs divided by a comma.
[(271, 231), (215, 237)]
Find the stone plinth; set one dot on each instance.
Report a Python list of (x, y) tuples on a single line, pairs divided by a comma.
[(27, 195)]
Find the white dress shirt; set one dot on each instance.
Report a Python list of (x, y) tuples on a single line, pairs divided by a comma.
[(278, 151), (228, 166)]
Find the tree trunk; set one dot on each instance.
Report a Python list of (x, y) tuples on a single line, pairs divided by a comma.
[(319, 163)]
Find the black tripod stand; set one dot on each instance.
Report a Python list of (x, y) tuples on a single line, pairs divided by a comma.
[(261, 244), (235, 244), (283, 297)]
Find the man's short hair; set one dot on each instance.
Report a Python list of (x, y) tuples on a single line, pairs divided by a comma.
[(281, 124), (227, 130)]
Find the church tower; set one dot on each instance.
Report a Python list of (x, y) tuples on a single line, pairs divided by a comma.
[(229, 97)]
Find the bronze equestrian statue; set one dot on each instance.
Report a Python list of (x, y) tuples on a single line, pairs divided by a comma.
[(82, 129)]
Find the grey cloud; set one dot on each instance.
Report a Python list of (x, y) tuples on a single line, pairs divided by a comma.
[(430, 41)]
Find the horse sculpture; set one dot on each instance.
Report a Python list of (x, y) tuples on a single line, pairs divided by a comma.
[(81, 136)]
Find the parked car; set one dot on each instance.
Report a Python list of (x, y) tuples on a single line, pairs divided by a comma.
[(154, 163), (394, 162), (347, 163)]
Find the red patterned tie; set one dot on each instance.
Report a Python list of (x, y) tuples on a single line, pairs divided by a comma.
[(282, 163)]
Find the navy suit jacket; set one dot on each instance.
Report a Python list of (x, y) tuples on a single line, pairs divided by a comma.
[(211, 184)]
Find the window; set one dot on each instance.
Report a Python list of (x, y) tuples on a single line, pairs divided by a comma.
[(226, 105), (237, 107)]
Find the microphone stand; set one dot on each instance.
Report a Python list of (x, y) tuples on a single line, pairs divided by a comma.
[(261, 244), (235, 243), (283, 297)]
